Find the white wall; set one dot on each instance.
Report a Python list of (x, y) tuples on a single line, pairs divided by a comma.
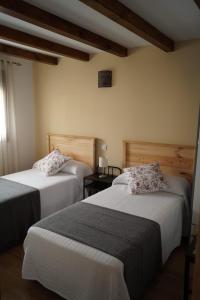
[(25, 113)]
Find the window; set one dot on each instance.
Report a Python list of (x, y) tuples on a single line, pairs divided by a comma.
[(2, 115)]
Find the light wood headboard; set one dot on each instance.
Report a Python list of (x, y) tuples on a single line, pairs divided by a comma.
[(173, 159), (78, 147)]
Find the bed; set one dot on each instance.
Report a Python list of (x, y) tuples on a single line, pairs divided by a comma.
[(89, 273), (54, 192)]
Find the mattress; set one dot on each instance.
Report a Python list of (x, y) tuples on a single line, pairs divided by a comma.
[(79, 272), (56, 192)]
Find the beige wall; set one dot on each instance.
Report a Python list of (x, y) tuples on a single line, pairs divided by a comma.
[(154, 97)]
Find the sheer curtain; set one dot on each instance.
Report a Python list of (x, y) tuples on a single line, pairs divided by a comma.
[(8, 137)]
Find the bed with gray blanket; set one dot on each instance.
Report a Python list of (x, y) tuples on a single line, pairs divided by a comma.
[(112, 232), (111, 246), (19, 209)]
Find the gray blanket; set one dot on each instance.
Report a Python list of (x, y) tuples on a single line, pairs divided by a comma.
[(19, 209), (133, 240)]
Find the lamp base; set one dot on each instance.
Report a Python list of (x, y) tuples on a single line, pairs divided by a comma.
[(102, 175)]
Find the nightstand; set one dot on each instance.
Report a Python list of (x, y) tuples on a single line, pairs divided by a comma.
[(94, 184)]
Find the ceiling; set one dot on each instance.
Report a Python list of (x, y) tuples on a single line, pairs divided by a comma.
[(178, 19)]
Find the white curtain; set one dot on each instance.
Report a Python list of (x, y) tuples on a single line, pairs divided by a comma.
[(8, 136)]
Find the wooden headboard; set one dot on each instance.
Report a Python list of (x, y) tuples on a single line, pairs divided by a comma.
[(174, 159), (78, 147)]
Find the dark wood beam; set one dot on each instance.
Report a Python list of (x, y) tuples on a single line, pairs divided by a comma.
[(34, 15), (122, 15), (197, 3), (30, 55), (13, 35)]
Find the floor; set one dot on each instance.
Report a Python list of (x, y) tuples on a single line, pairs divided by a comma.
[(169, 285)]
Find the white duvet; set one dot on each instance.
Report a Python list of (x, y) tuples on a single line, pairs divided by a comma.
[(56, 192), (79, 272)]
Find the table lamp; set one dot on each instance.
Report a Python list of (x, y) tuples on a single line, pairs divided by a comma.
[(103, 163)]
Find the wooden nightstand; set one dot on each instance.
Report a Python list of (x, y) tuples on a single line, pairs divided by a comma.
[(94, 184)]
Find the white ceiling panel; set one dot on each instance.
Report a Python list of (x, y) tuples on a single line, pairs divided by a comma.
[(178, 19), (43, 33), (28, 48), (80, 14)]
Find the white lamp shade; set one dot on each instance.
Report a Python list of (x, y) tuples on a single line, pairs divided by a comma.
[(103, 162)]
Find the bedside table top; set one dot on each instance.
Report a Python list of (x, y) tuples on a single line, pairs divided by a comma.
[(95, 177)]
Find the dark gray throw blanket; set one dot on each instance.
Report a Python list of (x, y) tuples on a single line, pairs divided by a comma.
[(134, 240), (19, 209)]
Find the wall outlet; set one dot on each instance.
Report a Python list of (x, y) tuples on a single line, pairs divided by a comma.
[(104, 147)]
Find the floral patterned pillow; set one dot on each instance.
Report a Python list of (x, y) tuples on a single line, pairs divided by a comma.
[(52, 163), (143, 168), (146, 178)]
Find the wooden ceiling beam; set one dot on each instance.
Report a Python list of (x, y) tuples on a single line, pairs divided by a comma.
[(34, 15), (197, 3), (26, 54), (119, 13), (13, 35)]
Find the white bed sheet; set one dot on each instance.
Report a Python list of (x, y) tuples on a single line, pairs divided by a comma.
[(79, 272), (56, 192)]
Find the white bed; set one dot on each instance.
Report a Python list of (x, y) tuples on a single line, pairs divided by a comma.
[(62, 189), (56, 192), (78, 272)]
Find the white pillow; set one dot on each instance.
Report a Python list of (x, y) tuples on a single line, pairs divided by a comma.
[(52, 163), (77, 168), (175, 184), (178, 185), (121, 179)]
